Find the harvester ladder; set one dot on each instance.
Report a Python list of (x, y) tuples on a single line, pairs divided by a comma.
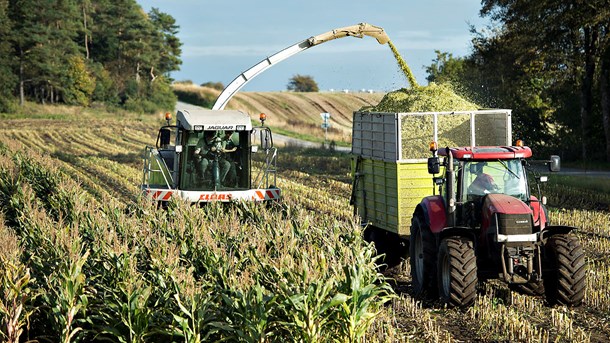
[(268, 171), (150, 153)]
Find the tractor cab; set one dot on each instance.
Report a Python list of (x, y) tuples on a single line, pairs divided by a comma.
[(480, 171), (211, 156)]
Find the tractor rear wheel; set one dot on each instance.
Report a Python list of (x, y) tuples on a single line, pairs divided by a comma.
[(564, 281), (457, 271), (422, 252)]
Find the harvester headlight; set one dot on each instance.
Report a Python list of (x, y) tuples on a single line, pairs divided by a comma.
[(198, 127), (240, 127)]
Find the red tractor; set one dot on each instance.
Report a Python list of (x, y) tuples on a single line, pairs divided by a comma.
[(485, 224)]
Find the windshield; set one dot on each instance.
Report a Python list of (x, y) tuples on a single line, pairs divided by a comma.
[(500, 176), (215, 160)]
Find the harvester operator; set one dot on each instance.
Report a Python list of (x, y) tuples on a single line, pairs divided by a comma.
[(230, 144), (209, 149)]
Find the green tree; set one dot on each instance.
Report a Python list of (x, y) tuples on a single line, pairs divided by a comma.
[(215, 85), (564, 42), (54, 55), (445, 68), (302, 83), (78, 83), (7, 76), (135, 48), (44, 43), (168, 45)]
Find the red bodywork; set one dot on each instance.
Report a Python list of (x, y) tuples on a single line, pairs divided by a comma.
[(434, 207), (489, 152), (502, 203), (435, 210), (538, 212)]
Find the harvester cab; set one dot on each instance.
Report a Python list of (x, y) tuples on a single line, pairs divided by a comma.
[(211, 156)]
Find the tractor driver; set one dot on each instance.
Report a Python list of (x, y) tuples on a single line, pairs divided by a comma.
[(482, 184), (208, 149)]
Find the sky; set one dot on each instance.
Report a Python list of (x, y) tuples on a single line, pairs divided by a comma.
[(223, 38)]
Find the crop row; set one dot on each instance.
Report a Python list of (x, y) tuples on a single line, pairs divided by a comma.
[(79, 269)]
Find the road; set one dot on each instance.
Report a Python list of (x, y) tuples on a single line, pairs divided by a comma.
[(583, 172), (279, 140)]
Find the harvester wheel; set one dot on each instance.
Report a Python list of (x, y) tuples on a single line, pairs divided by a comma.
[(565, 279), (457, 271), (422, 251)]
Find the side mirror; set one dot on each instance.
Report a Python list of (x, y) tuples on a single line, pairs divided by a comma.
[(266, 139), (554, 163), (434, 165), (261, 136)]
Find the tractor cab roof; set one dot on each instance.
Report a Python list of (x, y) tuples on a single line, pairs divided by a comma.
[(488, 152), (205, 119)]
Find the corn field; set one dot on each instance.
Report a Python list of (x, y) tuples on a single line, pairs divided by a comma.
[(83, 258)]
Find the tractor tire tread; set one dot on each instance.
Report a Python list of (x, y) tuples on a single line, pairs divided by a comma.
[(463, 264), (566, 283)]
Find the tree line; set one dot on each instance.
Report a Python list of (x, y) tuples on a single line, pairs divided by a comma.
[(549, 61), (78, 52)]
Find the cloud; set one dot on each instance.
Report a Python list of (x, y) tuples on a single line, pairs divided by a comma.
[(447, 40), (450, 41)]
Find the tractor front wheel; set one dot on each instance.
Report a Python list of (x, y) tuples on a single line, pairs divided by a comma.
[(422, 252), (457, 272), (564, 281)]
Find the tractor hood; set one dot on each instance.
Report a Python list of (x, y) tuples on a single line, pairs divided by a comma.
[(213, 120), (506, 215), (505, 204)]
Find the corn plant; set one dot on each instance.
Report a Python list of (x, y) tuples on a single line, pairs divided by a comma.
[(68, 296), (365, 296), (250, 316), (196, 320), (128, 310), (15, 290)]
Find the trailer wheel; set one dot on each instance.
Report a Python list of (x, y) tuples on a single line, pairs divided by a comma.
[(564, 280), (422, 251), (457, 271), (386, 243)]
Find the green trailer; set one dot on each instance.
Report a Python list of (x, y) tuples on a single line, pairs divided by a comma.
[(389, 161)]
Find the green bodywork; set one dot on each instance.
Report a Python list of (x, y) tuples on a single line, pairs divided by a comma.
[(386, 193)]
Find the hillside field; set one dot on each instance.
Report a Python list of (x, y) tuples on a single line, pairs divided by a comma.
[(84, 258), (293, 113)]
